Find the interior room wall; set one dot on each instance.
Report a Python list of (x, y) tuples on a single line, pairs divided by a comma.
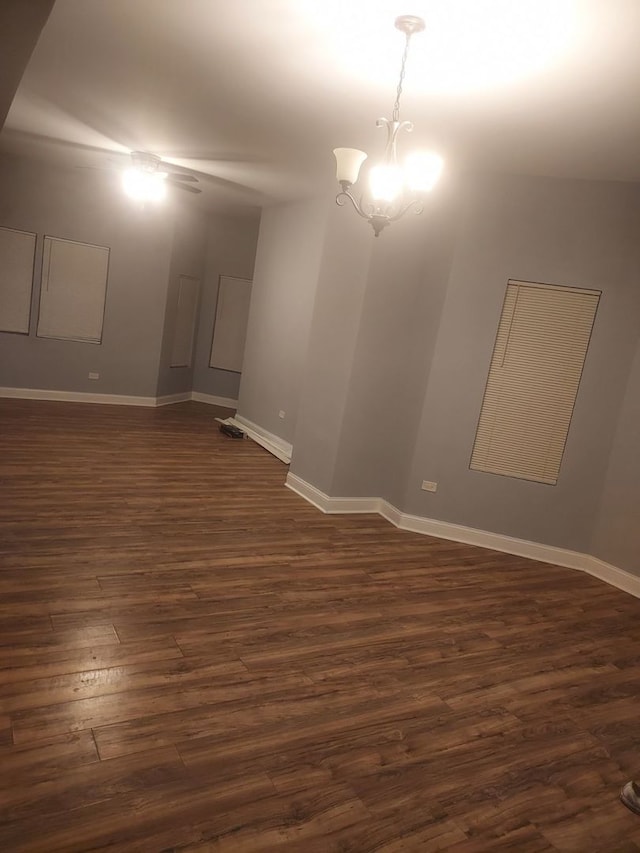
[(405, 290), (575, 233), (284, 283), (188, 259), (616, 537), (89, 206), (332, 338), (231, 250)]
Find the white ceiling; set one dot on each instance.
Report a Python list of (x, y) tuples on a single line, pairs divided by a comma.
[(254, 94)]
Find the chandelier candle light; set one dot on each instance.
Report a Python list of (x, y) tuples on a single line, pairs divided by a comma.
[(393, 189)]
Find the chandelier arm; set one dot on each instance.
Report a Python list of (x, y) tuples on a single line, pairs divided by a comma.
[(358, 209), (415, 202)]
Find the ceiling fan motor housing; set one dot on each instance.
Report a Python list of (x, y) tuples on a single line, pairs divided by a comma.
[(144, 161)]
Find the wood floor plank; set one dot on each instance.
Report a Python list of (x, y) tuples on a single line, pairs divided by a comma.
[(30, 644), (131, 819), (49, 662), (193, 658), (174, 673), (225, 721), (118, 703), (6, 737), (90, 783), (46, 759)]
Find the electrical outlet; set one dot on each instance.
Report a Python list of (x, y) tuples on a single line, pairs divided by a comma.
[(429, 486), (281, 414), (94, 376)]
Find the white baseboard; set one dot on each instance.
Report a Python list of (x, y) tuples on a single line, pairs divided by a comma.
[(389, 512), (76, 397), (115, 399), (330, 505), (170, 399), (281, 449), (612, 575), (226, 402)]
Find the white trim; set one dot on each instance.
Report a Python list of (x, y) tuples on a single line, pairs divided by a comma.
[(495, 541), (226, 402), (612, 575), (330, 505), (273, 443), (389, 512), (76, 397), (169, 399), (115, 399)]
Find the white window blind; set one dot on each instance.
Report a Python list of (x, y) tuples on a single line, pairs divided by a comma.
[(73, 290), (185, 327), (533, 381), (230, 330), (17, 251)]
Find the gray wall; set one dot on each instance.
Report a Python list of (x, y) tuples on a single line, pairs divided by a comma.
[(89, 206), (325, 374), (284, 281), (231, 250), (400, 336), (405, 290), (150, 248), (312, 271), (187, 258), (572, 233), (616, 537), (340, 333)]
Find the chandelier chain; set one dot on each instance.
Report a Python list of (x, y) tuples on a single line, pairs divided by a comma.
[(396, 106)]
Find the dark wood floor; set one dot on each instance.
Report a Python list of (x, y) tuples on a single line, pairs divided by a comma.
[(194, 659)]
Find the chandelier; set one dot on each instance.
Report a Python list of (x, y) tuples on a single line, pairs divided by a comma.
[(393, 189)]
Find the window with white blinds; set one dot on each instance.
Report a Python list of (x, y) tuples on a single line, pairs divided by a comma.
[(230, 329), (533, 381), (73, 290), (185, 327), (17, 252)]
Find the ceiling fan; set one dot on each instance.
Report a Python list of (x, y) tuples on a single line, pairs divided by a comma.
[(199, 170), (149, 175)]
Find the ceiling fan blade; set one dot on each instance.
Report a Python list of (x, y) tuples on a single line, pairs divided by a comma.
[(181, 186), (177, 176)]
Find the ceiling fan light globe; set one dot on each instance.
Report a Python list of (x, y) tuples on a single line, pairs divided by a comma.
[(157, 187), (142, 185)]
